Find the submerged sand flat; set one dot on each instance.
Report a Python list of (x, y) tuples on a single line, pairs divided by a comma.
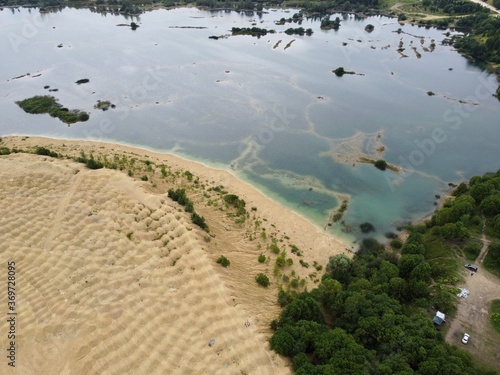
[(91, 299)]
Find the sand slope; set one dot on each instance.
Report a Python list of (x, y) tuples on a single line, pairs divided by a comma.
[(92, 301), (113, 277)]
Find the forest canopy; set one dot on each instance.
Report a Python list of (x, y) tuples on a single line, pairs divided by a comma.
[(373, 314)]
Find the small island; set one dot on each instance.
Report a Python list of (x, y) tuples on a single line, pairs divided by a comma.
[(82, 81), (327, 24), (253, 31), (104, 105), (298, 31), (48, 104), (340, 71), (379, 164)]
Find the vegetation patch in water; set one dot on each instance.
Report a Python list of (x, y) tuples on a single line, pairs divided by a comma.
[(49, 104)]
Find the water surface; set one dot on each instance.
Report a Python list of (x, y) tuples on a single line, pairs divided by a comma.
[(277, 117)]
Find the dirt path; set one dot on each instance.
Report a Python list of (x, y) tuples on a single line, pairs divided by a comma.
[(396, 7), (473, 317), (490, 7), (485, 242), (74, 182)]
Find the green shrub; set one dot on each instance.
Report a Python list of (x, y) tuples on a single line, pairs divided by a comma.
[(82, 117), (396, 243), (366, 227), (48, 104), (4, 151), (38, 104), (495, 314), (274, 247), (380, 164), (236, 202), (262, 280), (281, 261), (472, 252), (223, 261), (295, 250), (262, 258), (93, 164), (492, 259), (199, 220), (283, 297), (103, 105), (46, 152), (189, 206), (339, 72), (144, 178)]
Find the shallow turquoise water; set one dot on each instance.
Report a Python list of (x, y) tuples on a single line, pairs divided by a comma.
[(277, 117)]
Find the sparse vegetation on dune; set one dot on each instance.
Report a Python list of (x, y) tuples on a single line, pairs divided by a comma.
[(223, 261), (262, 280)]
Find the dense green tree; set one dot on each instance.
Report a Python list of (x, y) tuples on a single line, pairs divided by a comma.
[(407, 264), (481, 191), (328, 293), (492, 259), (462, 205), (422, 272), (299, 337), (462, 188), (381, 164), (339, 267), (398, 288), (302, 308), (454, 231), (490, 205), (386, 272), (496, 225), (337, 348), (413, 248)]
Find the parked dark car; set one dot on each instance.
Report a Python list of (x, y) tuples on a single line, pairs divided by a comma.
[(471, 267)]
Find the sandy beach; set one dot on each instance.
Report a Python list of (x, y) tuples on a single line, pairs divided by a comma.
[(112, 276)]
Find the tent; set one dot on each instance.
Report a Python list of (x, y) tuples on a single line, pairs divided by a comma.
[(440, 318)]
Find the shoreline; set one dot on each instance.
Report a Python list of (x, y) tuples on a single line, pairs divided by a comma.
[(278, 213), (112, 252)]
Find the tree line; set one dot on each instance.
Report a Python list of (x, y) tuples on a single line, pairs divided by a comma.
[(373, 314)]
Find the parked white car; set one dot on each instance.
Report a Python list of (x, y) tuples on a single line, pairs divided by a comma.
[(465, 339)]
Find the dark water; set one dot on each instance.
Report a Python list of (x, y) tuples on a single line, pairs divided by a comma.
[(278, 117)]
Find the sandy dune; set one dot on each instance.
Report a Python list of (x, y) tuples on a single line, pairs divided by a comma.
[(92, 298)]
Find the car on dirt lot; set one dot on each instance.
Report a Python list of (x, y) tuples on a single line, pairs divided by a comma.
[(465, 339), (471, 267)]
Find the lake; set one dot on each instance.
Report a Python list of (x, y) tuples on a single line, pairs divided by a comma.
[(269, 109)]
